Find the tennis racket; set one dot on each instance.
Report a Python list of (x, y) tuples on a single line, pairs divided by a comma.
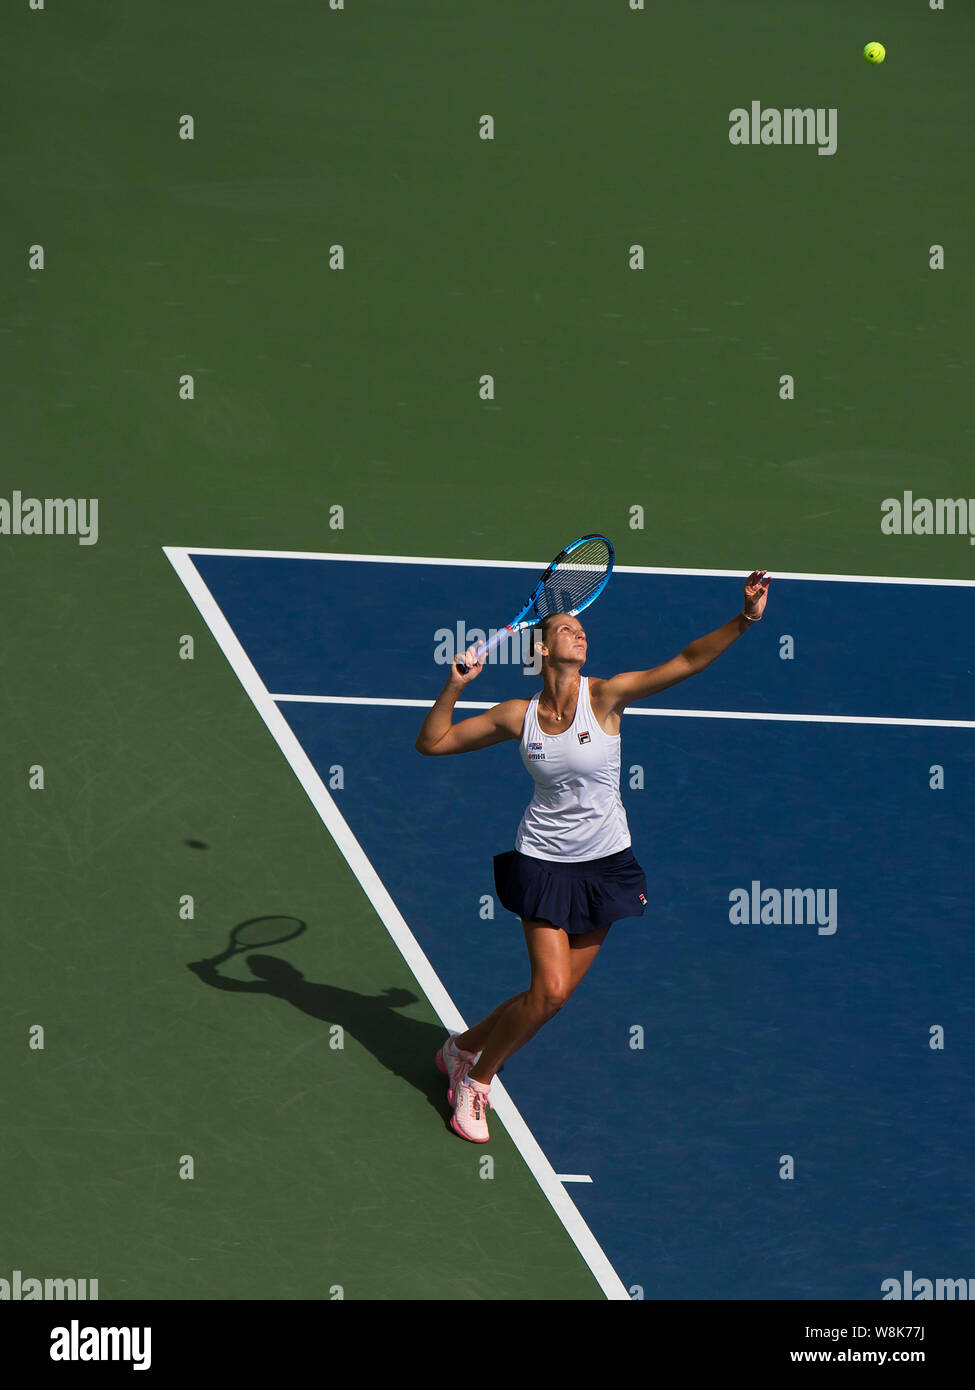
[(574, 579)]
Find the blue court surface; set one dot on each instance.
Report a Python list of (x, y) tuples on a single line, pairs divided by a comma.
[(699, 1051)]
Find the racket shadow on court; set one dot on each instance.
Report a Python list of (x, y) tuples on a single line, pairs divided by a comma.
[(404, 1046)]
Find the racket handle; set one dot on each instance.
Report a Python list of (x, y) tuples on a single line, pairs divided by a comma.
[(493, 641)]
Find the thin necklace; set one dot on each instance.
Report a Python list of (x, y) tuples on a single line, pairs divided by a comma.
[(553, 715)]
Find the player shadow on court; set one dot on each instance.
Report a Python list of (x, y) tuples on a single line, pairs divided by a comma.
[(404, 1046)]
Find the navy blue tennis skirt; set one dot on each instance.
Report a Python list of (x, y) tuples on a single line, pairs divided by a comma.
[(577, 897)]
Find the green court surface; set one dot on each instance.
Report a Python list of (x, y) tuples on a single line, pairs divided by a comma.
[(318, 387)]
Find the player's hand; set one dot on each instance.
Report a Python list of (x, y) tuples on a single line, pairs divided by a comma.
[(756, 592), (474, 668)]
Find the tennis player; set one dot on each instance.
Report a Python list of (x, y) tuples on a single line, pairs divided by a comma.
[(572, 872)]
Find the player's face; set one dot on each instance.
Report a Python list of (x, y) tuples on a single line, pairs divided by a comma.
[(566, 640)]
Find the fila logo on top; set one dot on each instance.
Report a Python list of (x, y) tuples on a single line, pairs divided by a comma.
[(584, 737)]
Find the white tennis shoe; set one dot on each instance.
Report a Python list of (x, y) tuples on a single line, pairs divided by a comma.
[(453, 1064), (472, 1100)]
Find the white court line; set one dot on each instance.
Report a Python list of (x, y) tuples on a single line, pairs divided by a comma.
[(427, 978), (660, 713), (539, 565), (573, 1177)]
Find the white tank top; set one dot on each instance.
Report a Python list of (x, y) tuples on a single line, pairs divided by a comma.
[(576, 812)]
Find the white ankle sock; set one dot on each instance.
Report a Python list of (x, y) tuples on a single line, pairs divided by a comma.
[(454, 1051)]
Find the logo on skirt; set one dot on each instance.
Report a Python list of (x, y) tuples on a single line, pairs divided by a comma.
[(584, 737), (643, 899)]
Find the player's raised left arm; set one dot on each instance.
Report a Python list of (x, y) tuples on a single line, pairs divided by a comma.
[(623, 689)]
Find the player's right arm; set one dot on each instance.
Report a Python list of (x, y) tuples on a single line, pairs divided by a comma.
[(439, 735)]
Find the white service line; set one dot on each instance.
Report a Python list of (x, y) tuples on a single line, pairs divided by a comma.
[(573, 1177), (660, 713), (388, 913)]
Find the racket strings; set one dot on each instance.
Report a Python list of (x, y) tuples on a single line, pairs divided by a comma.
[(575, 579)]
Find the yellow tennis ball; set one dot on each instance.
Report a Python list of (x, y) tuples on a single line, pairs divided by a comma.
[(875, 53)]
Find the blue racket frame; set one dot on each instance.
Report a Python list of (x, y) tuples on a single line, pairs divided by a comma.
[(529, 615)]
